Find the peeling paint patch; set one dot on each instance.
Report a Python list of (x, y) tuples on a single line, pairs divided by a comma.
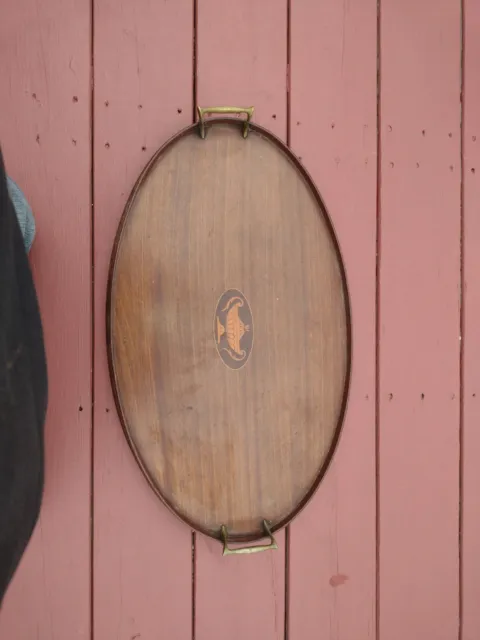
[(338, 579)]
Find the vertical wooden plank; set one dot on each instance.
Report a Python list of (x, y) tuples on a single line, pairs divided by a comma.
[(419, 319), (242, 56), (333, 130), (45, 133), (143, 94), (471, 336)]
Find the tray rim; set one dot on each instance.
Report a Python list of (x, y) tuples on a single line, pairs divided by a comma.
[(286, 150)]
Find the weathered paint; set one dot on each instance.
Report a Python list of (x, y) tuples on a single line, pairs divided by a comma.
[(143, 95), (146, 581), (470, 525), (333, 129), (45, 135), (239, 46), (419, 320)]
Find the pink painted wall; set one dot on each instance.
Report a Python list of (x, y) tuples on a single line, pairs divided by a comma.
[(389, 548)]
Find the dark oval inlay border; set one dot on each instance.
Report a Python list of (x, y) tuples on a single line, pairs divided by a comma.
[(233, 329)]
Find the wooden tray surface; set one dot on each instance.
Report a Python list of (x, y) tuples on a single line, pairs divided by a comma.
[(229, 330)]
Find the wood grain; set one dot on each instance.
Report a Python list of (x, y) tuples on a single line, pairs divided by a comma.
[(45, 131), (333, 129), (419, 320), (225, 249), (143, 95), (471, 338), (241, 59)]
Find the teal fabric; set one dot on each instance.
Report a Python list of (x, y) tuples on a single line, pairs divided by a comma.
[(23, 212)]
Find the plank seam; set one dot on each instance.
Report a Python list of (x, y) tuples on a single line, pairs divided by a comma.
[(461, 321), (194, 117), (195, 60), (92, 311), (194, 582), (288, 73), (377, 328), (288, 95)]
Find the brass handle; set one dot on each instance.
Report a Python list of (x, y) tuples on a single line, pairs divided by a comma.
[(254, 549), (202, 112)]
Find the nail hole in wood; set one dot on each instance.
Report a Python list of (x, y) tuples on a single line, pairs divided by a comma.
[(144, 148), (107, 103), (107, 145), (75, 98), (179, 111), (390, 396)]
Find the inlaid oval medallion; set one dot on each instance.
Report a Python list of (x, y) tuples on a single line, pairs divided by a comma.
[(233, 329), (229, 335)]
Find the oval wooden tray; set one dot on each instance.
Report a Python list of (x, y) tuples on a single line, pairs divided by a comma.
[(229, 330)]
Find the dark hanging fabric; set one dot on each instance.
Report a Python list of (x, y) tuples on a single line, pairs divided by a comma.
[(23, 393)]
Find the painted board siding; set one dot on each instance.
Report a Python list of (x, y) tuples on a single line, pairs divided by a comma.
[(143, 94), (238, 599), (310, 70), (45, 137), (333, 128), (419, 320), (471, 335)]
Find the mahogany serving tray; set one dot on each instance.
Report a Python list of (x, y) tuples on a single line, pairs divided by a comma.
[(229, 329)]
